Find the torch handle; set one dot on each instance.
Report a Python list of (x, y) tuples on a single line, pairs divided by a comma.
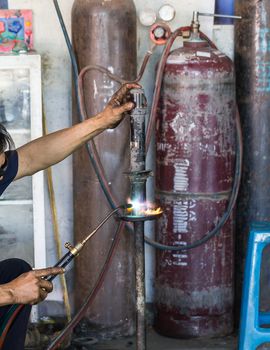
[(74, 251), (63, 262)]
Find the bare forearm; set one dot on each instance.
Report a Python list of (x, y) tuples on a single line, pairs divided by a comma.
[(51, 149), (6, 295)]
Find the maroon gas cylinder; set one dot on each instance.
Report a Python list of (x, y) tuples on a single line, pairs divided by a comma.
[(195, 165), (104, 33)]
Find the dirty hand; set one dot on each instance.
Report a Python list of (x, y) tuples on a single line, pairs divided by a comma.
[(31, 287), (113, 112)]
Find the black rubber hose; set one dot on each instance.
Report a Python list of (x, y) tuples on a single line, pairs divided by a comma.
[(239, 150), (226, 215), (68, 42)]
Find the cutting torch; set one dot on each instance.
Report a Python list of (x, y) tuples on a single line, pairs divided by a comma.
[(74, 251)]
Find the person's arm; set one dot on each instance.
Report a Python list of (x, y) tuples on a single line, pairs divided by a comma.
[(51, 149), (28, 288)]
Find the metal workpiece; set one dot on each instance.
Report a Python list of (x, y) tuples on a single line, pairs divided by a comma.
[(138, 181), (137, 130), (138, 177), (98, 28), (138, 193), (138, 97), (252, 57)]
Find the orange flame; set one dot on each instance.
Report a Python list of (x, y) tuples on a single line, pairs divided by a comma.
[(143, 209), (150, 211)]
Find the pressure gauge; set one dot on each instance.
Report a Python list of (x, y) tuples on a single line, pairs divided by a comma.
[(166, 13), (147, 17)]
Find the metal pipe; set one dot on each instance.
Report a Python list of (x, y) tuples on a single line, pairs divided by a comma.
[(138, 177), (218, 15), (140, 285)]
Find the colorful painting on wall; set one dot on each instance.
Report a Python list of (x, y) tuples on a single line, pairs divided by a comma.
[(16, 31)]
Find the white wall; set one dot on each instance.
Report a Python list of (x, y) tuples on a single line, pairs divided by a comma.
[(49, 42), (56, 76)]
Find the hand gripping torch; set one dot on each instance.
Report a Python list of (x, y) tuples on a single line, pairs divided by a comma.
[(74, 251), (63, 262)]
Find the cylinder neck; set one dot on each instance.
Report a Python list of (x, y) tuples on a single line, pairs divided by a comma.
[(196, 44), (195, 24), (195, 28)]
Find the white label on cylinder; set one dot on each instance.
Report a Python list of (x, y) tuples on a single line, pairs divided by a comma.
[(181, 175), (203, 54), (180, 216)]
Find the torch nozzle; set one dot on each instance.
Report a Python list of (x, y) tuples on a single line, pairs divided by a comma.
[(127, 206), (124, 206)]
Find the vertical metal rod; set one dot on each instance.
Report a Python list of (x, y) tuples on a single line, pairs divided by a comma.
[(140, 285), (138, 193)]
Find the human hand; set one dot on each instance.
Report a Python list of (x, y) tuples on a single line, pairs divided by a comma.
[(31, 287), (116, 107)]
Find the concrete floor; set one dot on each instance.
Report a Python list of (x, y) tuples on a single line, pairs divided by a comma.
[(157, 342), (154, 342)]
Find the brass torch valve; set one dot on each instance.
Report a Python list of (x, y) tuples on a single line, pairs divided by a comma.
[(76, 249)]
